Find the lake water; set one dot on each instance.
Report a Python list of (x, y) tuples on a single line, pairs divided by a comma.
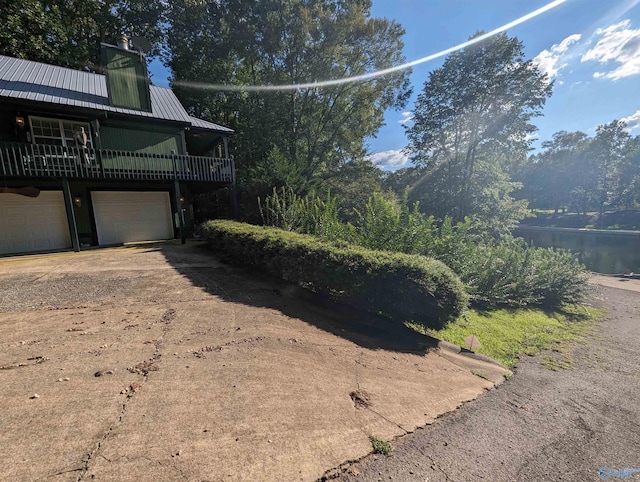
[(609, 252)]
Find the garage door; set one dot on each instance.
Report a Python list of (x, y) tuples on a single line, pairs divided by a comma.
[(126, 216), (33, 224)]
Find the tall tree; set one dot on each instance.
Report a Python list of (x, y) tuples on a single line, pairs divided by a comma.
[(296, 137), (608, 149), (559, 175), (69, 32), (471, 121)]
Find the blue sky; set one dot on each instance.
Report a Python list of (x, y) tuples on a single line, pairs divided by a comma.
[(591, 48)]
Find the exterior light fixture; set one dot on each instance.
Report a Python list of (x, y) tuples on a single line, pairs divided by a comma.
[(77, 201), (19, 121), (181, 199)]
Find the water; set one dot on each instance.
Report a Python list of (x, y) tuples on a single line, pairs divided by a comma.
[(609, 252)]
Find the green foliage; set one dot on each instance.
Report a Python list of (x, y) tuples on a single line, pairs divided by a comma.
[(299, 137), (69, 32), (511, 273), (380, 446), (585, 173), (389, 225), (405, 287), (309, 214), (471, 123), (353, 183), (506, 272)]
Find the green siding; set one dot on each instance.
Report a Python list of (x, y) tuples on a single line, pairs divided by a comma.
[(127, 78), (138, 140)]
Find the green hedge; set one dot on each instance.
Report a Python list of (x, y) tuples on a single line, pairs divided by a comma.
[(406, 287)]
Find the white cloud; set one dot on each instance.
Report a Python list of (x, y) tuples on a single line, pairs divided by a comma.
[(633, 121), (406, 118), (392, 159), (619, 44), (552, 61)]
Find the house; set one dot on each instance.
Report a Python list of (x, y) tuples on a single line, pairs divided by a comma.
[(88, 159)]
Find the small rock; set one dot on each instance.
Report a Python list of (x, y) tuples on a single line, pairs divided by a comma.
[(59, 379), (411, 472), (66, 379), (35, 395), (267, 440)]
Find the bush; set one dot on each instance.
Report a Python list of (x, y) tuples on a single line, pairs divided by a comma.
[(513, 274), (502, 271), (408, 287)]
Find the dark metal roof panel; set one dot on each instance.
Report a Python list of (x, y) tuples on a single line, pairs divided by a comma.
[(203, 124), (34, 81)]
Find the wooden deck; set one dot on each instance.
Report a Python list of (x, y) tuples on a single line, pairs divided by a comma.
[(22, 160)]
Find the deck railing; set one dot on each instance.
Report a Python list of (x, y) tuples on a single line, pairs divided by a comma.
[(40, 160)]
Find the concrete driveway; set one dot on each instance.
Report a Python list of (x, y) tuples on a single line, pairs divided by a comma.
[(156, 362)]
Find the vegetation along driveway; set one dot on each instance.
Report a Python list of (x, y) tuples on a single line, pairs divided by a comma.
[(156, 362), (577, 424)]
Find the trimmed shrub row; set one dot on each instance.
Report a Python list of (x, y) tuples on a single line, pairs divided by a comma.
[(407, 287)]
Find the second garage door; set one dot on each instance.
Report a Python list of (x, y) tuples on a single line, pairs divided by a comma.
[(126, 216)]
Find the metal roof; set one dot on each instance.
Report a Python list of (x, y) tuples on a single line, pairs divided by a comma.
[(203, 124), (38, 82)]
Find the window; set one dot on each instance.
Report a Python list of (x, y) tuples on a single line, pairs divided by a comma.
[(58, 132)]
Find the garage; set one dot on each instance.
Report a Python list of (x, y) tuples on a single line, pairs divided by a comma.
[(33, 224), (127, 216)]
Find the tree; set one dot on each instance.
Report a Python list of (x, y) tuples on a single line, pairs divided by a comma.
[(558, 175), (471, 121), (608, 149), (296, 137), (627, 194), (353, 183), (69, 32)]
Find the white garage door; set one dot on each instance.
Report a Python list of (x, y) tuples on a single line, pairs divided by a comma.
[(33, 224), (126, 216)]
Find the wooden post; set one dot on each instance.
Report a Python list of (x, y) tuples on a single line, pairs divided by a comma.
[(71, 217), (234, 193), (176, 189)]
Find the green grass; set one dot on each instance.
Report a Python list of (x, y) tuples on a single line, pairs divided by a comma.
[(505, 334)]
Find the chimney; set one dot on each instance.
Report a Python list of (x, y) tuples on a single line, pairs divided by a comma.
[(127, 77), (123, 42)]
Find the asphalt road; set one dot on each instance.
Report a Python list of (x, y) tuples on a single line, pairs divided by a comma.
[(541, 425)]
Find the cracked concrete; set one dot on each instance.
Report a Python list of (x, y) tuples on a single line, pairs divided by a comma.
[(171, 366), (541, 425)]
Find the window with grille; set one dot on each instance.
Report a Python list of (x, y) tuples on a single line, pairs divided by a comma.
[(58, 132)]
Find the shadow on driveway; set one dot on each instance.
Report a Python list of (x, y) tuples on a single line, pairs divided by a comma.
[(250, 287)]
